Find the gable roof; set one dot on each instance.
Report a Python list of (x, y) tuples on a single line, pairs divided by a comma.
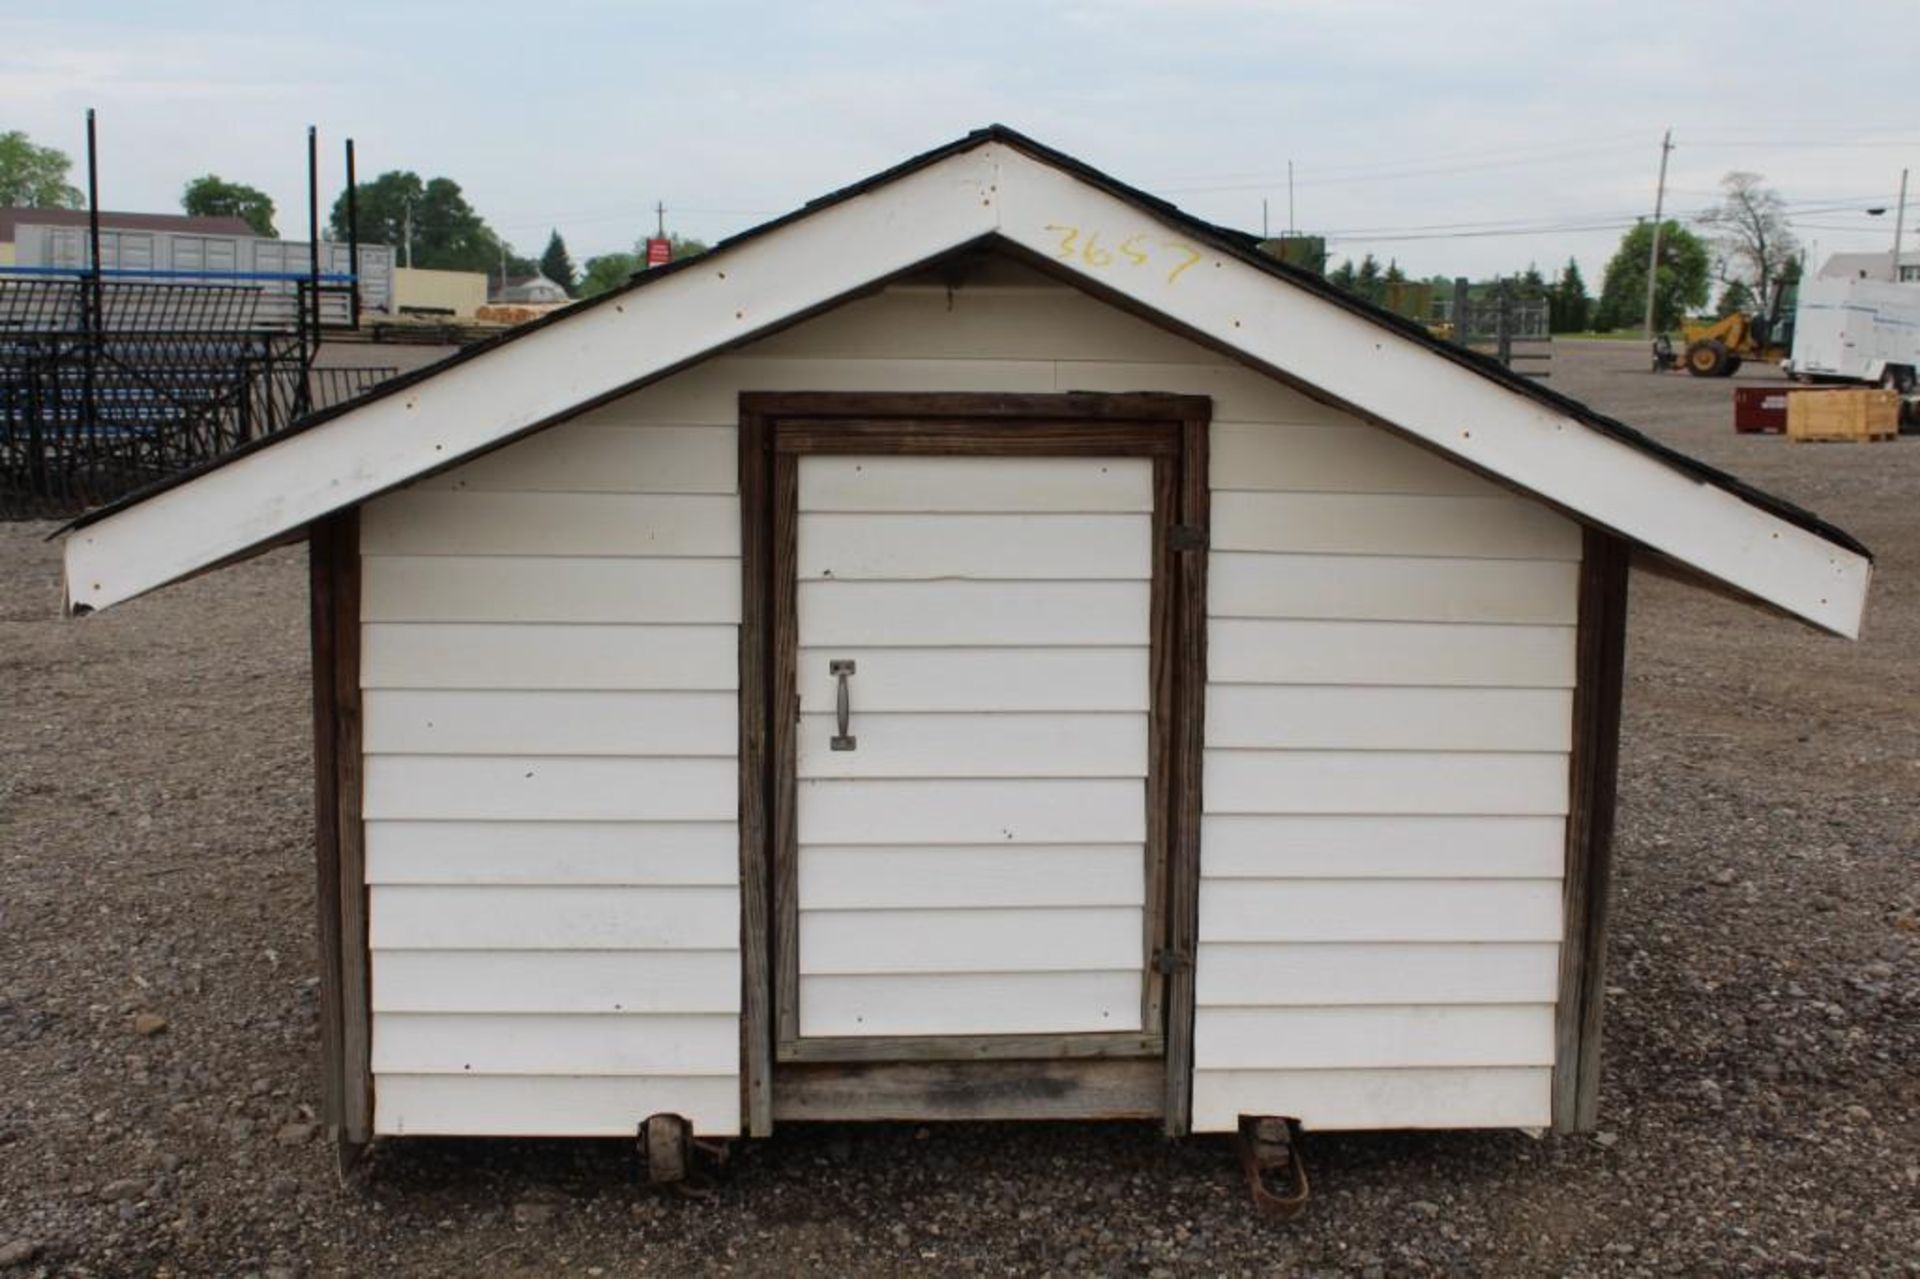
[(994, 187)]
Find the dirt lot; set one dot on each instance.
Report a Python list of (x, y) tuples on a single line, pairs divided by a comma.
[(157, 1013)]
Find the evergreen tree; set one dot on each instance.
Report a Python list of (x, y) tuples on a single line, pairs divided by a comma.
[(1570, 309), (557, 266), (1367, 280), (1342, 276)]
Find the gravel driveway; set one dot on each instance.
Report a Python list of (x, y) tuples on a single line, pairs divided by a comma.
[(1761, 1100)]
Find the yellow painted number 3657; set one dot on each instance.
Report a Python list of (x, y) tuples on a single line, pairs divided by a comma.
[(1136, 250)]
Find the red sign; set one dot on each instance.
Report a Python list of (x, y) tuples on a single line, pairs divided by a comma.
[(659, 252)]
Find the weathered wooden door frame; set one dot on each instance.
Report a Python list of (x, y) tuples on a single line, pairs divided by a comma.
[(776, 429)]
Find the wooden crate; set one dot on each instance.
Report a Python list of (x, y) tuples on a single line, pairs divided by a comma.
[(1851, 414)]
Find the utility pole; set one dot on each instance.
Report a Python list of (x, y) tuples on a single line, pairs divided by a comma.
[(406, 232), (1290, 227), (1659, 210), (1264, 233), (660, 220), (1899, 225)]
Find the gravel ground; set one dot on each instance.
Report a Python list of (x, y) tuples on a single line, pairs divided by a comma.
[(157, 1009)]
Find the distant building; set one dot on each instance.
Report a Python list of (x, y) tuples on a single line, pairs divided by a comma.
[(529, 290), (1871, 266), (178, 223)]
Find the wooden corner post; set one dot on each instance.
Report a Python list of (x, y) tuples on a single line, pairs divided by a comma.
[(1600, 665), (340, 892)]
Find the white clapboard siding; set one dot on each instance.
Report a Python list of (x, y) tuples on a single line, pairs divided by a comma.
[(897, 545), (442, 917), (978, 485), (556, 981), (1349, 846), (548, 722), (1392, 524), (1332, 1100), (1391, 588), (591, 456), (1340, 457), (1312, 652), (550, 1105), (971, 1003), (960, 614), (1037, 939), (982, 323), (453, 522), (1345, 717), (537, 1044), (998, 744), (1478, 782), (473, 655), (551, 788), (874, 876), (973, 811), (687, 854), (1365, 1038), (1294, 974), (1383, 910), (979, 679), (460, 588)]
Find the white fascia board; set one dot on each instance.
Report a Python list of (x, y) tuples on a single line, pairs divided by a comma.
[(1382, 375), (730, 296)]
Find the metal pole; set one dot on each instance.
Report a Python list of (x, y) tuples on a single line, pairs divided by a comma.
[(313, 225), (1899, 225), (353, 234), (95, 309), (1659, 210), (93, 208), (1290, 227)]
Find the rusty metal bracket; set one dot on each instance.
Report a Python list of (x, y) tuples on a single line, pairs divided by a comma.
[(676, 1159), (1276, 1176)]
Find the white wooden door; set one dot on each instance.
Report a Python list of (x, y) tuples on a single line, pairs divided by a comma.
[(973, 861)]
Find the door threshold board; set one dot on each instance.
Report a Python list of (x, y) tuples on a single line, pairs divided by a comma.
[(1089, 1088)]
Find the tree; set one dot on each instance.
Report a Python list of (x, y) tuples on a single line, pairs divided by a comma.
[(1735, 297), (1680, 281), (209, 196), (1751, 232), (1569, 308), (430, 224), (608, 271), (1342, 276), (34, 177), (556, 265), (1367, 280)]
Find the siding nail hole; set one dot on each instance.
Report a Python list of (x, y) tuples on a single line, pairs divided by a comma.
[(721, 274), (739, 315), (1466, 435), (529, 772), (621, 307)]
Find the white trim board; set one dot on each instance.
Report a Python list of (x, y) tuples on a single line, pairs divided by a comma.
[(990, 189)]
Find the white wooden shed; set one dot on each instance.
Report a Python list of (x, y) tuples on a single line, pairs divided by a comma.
[(985, 645)]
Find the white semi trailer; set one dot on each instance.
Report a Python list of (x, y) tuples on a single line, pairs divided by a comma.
[(1851, 330)]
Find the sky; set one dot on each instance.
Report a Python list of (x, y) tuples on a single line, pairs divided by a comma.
[(1474, 138)]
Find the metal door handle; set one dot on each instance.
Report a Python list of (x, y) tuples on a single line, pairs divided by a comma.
[(840, 669)]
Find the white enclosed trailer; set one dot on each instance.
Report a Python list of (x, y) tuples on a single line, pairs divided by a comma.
[(987, 645), (1856, 330)]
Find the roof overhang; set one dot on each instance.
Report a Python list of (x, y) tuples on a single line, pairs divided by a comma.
[(992, 187)]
